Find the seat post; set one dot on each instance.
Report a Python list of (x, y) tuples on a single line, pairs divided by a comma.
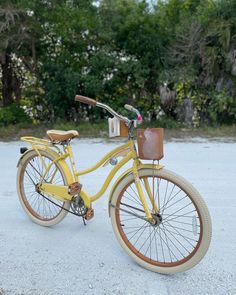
[(69, 150)]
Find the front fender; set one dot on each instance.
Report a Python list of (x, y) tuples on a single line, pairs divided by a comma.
[(123, 175)]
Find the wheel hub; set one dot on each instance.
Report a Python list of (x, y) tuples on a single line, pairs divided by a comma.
[(157, 219), (37, 189)]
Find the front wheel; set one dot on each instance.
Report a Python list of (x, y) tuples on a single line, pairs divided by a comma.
[(181, 235)]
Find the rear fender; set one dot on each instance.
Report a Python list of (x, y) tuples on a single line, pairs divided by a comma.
[(69, 176), (123, 175), (61, 162)]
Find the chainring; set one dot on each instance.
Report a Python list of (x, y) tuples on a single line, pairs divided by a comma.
[(77, 206)]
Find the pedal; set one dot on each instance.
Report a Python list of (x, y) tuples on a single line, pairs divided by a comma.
[(74, 188), (89, 214)]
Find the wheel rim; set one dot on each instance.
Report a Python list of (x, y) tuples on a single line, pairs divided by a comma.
[(36, 204), (177, 237)]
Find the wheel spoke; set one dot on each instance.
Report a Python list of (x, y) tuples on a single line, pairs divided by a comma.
[(136, 230), (132, 207), (168, 224), (184, 215), (160, 229), (164, 207), (142, 227), (145, 240), (136, 195), (134, 199), (181, 209), (168, 198), (175, 202), (177, 241)]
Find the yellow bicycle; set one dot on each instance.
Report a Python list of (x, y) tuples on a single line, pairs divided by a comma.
[(158, 217)]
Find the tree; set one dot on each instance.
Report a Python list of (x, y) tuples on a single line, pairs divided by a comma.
[(135, 39), (120, 51), (199, 56), (66, 36), (15, 46)]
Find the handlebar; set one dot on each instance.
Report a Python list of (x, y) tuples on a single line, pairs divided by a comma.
[(93, 103), (134, 110), (86, 100), (111, 111)]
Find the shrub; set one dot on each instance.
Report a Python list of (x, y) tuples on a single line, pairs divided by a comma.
[(13, 114), (222, 108)]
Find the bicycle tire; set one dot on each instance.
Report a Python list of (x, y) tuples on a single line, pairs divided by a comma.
[(39, 209), (162, 237)]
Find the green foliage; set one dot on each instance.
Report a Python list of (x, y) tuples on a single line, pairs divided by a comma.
[(122, 51), (12, 115), (166, 122), (222, 108)]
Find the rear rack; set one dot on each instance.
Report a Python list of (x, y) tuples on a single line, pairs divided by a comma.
[(37, 141)]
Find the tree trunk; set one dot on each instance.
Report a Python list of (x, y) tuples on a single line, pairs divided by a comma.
[(168, 99), (7, 81), (17, 87)]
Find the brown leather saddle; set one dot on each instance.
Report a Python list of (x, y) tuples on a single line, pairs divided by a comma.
[(60, 135)]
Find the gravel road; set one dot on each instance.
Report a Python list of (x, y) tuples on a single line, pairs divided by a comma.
[(71, 258)]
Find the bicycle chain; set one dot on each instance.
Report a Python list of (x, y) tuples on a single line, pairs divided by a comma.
[(69, 211)]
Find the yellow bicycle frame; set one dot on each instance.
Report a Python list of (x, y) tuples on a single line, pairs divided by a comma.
[(126, 151)]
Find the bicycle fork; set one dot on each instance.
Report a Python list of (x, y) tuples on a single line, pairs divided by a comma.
[(141, 194)]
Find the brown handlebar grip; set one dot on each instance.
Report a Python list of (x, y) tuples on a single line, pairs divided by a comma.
[(86, 100)]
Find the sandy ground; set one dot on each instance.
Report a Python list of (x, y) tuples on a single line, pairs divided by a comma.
[(70, 258)]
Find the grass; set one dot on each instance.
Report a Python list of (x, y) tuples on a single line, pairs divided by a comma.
[(86, 129), (223, 132)]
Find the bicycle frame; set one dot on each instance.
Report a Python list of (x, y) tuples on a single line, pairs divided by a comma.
[(127, 151)]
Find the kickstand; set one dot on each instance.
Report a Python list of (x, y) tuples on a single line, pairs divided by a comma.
[(84, 220)]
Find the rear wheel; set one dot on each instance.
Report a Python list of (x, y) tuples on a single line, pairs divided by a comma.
[(181, 234), (38, 208)]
